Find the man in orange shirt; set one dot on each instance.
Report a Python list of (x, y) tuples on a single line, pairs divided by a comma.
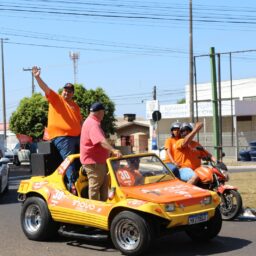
[(187, 155), (169, 147), (64, 121)]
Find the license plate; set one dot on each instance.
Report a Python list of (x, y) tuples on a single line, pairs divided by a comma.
[(197, 218)]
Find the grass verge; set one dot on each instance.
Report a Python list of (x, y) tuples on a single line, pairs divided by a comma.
[(246, 184)]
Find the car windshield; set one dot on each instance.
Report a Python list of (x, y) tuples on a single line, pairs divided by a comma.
[(140, 170)]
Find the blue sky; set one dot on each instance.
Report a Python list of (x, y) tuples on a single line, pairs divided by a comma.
[(125, 47)]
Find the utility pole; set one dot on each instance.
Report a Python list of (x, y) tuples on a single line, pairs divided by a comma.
[(191, 80), (215, 105), (33, 81), (154, 93), (74, 56), (3, 87)]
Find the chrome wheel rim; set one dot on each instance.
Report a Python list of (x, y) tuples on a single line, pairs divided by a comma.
[(127, 234), (33, 218), (228, 207)]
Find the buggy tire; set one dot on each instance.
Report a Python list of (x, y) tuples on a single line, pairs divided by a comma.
[(36, 221), (205, 231), (131, 233)]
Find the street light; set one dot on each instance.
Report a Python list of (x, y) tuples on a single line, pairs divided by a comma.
[(191, 80), (3, 86)]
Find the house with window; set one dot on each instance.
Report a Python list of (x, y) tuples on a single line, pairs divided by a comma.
[(132, 134)]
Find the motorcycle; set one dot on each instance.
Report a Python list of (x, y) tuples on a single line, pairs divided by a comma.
[(213, 176)]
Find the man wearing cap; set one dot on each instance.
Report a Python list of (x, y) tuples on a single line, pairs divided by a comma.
[(64, 120), (94, 151)]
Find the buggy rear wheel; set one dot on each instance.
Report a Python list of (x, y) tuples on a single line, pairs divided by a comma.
[(36, 220)]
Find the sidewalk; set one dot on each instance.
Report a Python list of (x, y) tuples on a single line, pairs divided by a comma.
[(231, 163)]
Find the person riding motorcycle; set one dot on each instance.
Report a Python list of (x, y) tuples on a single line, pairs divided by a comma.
[(169, 144), (186, 154)]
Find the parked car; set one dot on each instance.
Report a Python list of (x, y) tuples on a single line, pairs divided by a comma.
[(22, 152), (8, 153), (4, 174), (138, 210)]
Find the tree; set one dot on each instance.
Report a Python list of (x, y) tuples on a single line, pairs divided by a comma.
[(30, 118), (181, 101), (84, 98)]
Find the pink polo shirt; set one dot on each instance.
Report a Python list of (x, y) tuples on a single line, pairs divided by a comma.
[(91, 151)]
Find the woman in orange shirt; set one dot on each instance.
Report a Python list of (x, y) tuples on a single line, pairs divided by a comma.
[(186, 153), (169, 147)]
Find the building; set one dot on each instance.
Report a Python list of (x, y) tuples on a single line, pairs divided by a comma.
[(237, 111), (132, 134)]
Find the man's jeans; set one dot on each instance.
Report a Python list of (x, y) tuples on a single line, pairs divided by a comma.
[(174, 169), (68, 145)]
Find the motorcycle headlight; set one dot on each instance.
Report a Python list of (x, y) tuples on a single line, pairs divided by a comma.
[(170, 207), (206, 200)]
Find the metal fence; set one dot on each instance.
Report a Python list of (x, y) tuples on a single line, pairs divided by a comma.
[(232, 144)]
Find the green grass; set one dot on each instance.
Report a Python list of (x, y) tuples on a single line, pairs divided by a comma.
[(246, 184)]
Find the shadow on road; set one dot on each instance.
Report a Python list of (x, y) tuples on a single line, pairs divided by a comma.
[(176, 244), (180, 244), (102, 246), (10, 197)]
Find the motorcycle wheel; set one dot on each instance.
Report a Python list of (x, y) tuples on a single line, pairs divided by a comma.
[(231, 204), (36, 221), (208, 230)]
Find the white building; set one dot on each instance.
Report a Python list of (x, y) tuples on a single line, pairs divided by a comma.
[(238, 115)]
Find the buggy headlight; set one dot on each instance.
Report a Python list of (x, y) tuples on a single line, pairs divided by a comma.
[(170, 207), (206, 200)]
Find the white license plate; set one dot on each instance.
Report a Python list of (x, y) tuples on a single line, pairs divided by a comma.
[(197, 218)]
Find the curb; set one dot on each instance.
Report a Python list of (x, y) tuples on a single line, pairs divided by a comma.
[(23, 177), (249, 214)]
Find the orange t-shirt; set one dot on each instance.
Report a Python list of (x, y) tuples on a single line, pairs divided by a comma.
[(64, 118), (127, 178), (169, 145), (188, 156)]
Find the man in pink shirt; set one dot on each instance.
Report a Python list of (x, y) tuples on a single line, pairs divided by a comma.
[(94, 150)]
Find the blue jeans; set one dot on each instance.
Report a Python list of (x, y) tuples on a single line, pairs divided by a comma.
[(66, 146), (174, 169), (186, 173)]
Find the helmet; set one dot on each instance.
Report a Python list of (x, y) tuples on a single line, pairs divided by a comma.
[(186, 127), (175, 125)]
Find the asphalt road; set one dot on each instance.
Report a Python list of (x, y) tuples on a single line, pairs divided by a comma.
[(236, 237)]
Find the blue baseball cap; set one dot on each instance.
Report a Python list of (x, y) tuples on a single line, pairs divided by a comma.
[(69, 86), (96, 106)]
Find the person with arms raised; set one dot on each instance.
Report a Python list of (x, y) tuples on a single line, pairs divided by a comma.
[(64, 122)]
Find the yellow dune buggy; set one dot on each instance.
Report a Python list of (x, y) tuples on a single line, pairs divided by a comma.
[(145, 202)]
